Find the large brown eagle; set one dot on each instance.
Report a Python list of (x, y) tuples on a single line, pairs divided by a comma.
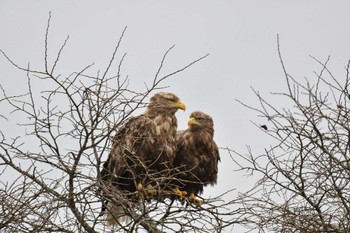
[(142, 154), (197, 156)]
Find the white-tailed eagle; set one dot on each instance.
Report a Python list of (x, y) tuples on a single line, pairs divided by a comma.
[(197, 156), (142, 154)]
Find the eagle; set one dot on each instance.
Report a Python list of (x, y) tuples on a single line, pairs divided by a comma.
[(197, 156), (142, 154)]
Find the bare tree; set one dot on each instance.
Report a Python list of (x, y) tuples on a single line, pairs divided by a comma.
[(305, 176), (48, 174)]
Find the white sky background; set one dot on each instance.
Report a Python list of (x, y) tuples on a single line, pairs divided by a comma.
[(239, 35)]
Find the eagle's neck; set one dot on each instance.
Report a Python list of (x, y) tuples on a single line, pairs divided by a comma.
[(165, 125), (205, 131)]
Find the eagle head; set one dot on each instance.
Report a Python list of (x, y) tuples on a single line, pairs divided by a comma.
[(201, 121), (165, 102)]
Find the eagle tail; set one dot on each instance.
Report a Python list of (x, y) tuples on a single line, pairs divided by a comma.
[(115, 215)]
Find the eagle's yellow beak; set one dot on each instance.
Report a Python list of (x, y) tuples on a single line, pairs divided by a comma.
[(180, 105), (192, 121)]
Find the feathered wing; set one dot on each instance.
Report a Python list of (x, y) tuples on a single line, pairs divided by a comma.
[(118, 175), (130, 147), (197, 157)]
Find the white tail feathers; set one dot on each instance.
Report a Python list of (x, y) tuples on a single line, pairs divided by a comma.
[(115, 215)]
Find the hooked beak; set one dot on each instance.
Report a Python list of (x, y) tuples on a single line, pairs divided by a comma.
[(180, 105)]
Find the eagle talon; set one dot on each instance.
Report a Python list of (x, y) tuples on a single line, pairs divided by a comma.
[(150, 192), (181, 194), (139, 187), (199, 202), (192, 199)]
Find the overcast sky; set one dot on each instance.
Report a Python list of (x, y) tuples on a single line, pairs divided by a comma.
[(239, 35)]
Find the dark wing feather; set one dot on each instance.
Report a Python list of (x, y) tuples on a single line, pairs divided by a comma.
[(131, 146), (140, 148)]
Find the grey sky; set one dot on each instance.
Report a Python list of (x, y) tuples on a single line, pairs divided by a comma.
[(239, 35)]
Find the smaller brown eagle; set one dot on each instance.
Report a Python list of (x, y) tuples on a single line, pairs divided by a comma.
[(197, 156)]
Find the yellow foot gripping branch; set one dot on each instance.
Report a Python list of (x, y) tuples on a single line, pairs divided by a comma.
[(192, 199), (149, 192), (180, 194)]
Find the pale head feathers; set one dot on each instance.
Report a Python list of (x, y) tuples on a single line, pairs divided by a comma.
[(164, 103)]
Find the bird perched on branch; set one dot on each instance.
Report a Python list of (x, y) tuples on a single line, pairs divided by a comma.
[(142, 155), (197, 156)]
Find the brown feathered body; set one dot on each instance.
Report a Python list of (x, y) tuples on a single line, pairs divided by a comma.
[(197, 155), (143, 151)]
